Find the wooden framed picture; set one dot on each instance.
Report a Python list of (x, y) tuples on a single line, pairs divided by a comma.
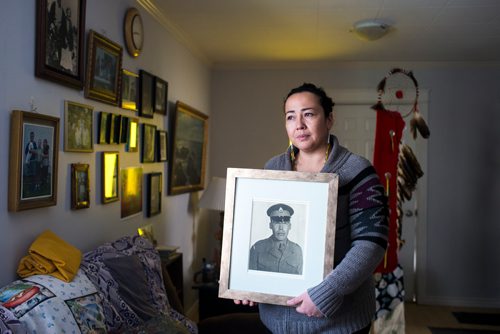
[(148, 152), (33, 158), (80, 186), (146, 91), (60, 33), (132, 135), (104, 124), (153, 202), (78, 127), (109, 176), (129, 90), (131, 187), (188, 152), (161, 146), (298, 210), (104, 69), (160, 96)]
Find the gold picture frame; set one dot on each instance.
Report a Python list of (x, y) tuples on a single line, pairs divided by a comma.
[(78, 127), (33, 160), (311, 201), (80, 186), (110, 176), (104, 69)]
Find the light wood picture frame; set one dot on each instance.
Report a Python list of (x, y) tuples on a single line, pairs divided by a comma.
[(33, 160), (250, 194), (78, 127), (104, 69), (80, 186)]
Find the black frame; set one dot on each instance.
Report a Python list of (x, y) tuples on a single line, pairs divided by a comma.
[(154, 193), (160, 96), (146, 94)]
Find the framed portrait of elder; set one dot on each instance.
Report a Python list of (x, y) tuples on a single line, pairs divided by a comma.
[(271, 216)]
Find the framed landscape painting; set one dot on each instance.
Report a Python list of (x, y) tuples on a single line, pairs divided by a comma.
[(60, 33), (188, 152), (33, 160), (255, 201)]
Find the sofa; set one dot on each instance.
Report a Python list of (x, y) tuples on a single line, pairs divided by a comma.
[(119, 287)]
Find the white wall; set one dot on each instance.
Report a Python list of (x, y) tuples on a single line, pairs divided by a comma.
[(461, 257), (189, 81)]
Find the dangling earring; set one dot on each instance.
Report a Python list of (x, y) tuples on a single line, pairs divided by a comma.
[(292, 151)]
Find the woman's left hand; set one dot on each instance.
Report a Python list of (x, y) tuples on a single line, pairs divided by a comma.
[(305, 305)]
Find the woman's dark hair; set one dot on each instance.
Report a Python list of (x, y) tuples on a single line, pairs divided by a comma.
[(325, 101)]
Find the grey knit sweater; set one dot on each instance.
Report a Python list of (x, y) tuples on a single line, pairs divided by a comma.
[(346, 297)]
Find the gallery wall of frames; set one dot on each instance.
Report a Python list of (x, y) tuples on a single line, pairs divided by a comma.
[(34, 140)]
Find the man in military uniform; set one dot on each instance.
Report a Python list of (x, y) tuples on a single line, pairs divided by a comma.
[(277, 253)]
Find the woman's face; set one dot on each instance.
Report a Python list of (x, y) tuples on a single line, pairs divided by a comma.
[(305, 121)]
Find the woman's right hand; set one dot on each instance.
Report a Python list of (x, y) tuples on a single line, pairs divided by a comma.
[(244, 302)]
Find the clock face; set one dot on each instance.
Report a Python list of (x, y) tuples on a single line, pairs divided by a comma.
[(134, 32)]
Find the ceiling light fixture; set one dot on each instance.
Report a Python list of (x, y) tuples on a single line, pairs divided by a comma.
[(370, 29)]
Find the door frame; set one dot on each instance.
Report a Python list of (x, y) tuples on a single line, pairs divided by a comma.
[(369, 97)]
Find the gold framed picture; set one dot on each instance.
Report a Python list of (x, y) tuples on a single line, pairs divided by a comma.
[(78, 127), (80, 186), (109, 176)]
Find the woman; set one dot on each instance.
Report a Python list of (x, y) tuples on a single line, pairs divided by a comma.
[(344, 302)]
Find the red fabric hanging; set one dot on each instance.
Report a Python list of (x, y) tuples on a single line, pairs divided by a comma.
[(388, 134)]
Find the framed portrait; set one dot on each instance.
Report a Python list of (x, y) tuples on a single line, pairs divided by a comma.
[(131, 188), (153, 198), (109, 177), (104, 124), (129, 90), (60, 33), (33, 158), (132, 135), (188, 151), (146, 91), (161, 146), (80, 186), (160, 96), (276, 212), (104, 69), (78, 126), (148, 152)]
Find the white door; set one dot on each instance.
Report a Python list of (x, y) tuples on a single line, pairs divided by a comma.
[(354, 126)]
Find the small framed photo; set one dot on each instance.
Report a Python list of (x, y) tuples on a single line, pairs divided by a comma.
[(129, 90), (132, 135), (276, 212), (124, 129), (131, 184), (104, 124), (146, 91), (60, 33), (33, 158), (186, 170), (153, 203), (78, 127), (80, 186), (104, 69), (161, 146), (109, 176), (148, 152), (161, 96), (114, 129)]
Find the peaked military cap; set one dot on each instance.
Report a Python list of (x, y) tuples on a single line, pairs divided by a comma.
[(280, 212)]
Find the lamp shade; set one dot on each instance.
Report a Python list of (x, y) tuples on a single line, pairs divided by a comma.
[(214, 196), (370, 30)]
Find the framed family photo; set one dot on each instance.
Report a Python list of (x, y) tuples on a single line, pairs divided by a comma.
[(109, 176), (78, 125), (34, 147), (188, 151), (146, 91), (131, 188), (161, 96), (148, 151), (153, 202), (104, 69), (129, 90), (276, 211), (80, 186), (60, 33)]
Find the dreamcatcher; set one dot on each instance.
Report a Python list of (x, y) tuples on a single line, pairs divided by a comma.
[(398, 91)]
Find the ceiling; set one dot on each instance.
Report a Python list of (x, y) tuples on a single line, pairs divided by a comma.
[(249, 31)]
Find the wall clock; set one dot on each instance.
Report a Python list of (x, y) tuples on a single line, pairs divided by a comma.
[(134, 32)]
